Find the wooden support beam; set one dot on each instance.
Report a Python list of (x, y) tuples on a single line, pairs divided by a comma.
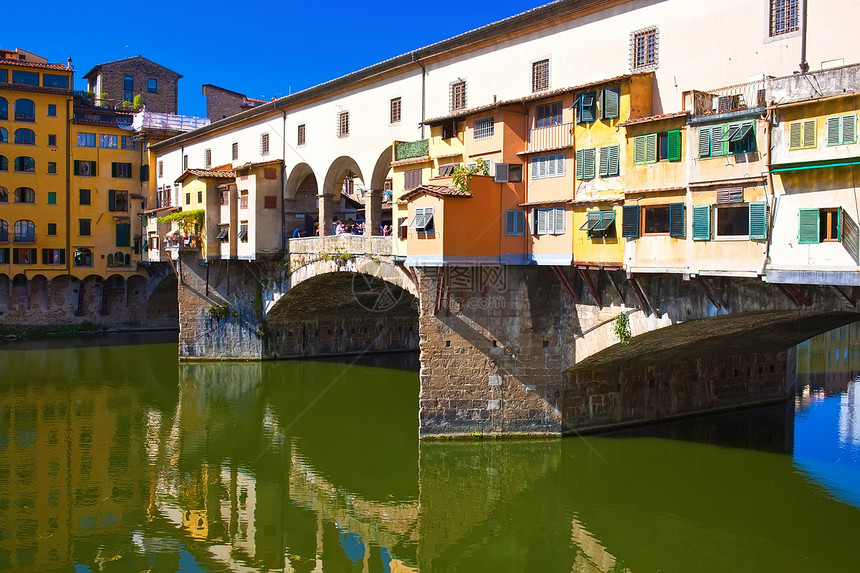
[(847, 298), (220, 267), (440, 285), (616, 285), (644, 304), (715, 292), (565, 282), (590, 284), (791, 294), (708, 293), (797, 295)]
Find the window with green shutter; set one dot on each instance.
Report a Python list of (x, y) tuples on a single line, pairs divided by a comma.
[(673, 144), (609, 161), (586, 107), (807, 232), (676, 220), (654, 147), (758, 220), (701, 222), (585, 163), (610, 102), (842, 129), (123, 234), (630, 221)]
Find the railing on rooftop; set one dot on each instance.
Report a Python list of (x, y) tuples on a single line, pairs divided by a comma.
[(749, 95), (411, 149), (552, 137)]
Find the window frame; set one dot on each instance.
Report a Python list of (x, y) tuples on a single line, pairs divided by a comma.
[(540, 77), (649, 49), (723, 207), (395, 110), (484, 127), (151, 85), (775, 11), (643, 232), (457, 99), (343, 123), (515, 223)]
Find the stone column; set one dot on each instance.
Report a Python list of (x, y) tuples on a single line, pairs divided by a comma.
[(326, 211), (373, 212)]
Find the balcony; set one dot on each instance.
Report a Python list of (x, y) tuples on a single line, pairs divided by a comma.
[(552, 137), (739, 97), (411, 149), (182, 242)]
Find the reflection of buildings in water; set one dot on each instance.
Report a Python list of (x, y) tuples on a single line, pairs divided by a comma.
[(849, 415), (828, 362)]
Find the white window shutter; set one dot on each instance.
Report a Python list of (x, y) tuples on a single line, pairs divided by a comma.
[(559, 220), (550, 166), (541, 221), (559, 164)]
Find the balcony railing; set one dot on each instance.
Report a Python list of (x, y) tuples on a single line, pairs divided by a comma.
[(411, 149), (25, 238), (552, 137), (738, 97)]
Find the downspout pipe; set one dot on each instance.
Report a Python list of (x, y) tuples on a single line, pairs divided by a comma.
[(804, 65), (423, 92)]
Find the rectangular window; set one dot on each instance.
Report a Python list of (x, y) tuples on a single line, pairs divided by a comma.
[(655, 220), (52, 110), (548, 221), (301, 135), (234, 150), (161, 168), (200, 196), (784, 16), (123, 234), (84, 197), (52, 167), (224, 195), (842, 129), (449, 129), (85, 168), (128, 83), (243, 232), (395, 110), (820, 225), (55, 81), (600, 224), (223, 233), (458, 95), (423, 221), (152, 85), (586, 107), (264, 144), (188, 198), (84, 227), (108, 141), (402, 227), (121, 170), (801, 134), (184, 162), (732, 221), (127, 142), (243, 200), (515, 223), (86, 140), (24, 256), (207, 158), (548, 115), (643, 49), (343, 124), (540, 76), (829, 224), (53, 256), (412, 179), (52, 229), (52, 197), (117, 200), (484, 127), (609, 156), (610, 102), (25, 78), (654, 147), (52, 140), (270, 202), (547, 166), (585, 164), (4, 253)]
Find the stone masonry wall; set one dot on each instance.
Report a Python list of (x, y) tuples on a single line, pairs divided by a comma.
[(328, 336), (166, 100)]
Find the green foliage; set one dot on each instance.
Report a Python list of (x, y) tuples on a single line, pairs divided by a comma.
[(222, 312), (136, 103), (462, 176), (408, 150), (191, 222), (622, 328)]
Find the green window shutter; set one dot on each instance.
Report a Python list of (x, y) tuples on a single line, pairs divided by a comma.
[(651, 148), (52, 198), (77, 168), (849, 235), (676, 220), (579, 163), (144, 173), (809, 128), (808, 227), (639, 149), (795, 130), (701, 222), (123, 234), (630, 221), (849, 128), (111, 200), (704, 141), (113, 169), (839, 224), (834, 130), (673, 143), (758, 220), (588, 168), (604, 162), (718, 142), (614, 154), (610, 99)]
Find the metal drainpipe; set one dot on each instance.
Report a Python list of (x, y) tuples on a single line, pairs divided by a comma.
[(423, 92), (769, 126), (804, 65)]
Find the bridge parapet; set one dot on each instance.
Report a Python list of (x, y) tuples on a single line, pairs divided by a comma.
[(337, 244)]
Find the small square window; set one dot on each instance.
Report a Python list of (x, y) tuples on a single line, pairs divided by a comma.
[(784, 16), (52, 140), (84, 227), (458, 95), (235, 151), (84, 197), (52, 110), (52, 167), (152, 85), (52, 229), (540, 75), (343, 124)]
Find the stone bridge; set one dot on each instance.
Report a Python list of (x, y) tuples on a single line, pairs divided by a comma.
[(515, 350)]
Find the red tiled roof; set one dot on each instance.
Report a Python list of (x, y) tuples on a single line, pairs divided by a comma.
[(653, 190), (651, 118), (26, 64), (435, 190), (207, 174), (413, 161)]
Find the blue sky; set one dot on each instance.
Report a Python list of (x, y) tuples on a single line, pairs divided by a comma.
[(268, 50)]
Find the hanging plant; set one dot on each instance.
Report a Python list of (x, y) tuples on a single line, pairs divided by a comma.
[(621, 327), (462, 175), (191, 222)]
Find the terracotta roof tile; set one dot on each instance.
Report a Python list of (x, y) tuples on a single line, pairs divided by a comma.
[(652, 118), (414, 161), (25, 64), (207, 174), (435, 190)]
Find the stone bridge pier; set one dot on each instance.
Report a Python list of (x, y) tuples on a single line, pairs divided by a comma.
[(535, 350)]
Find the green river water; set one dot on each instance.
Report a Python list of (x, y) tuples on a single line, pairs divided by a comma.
[(114, 457)]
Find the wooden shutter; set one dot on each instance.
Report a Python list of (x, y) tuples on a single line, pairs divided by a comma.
[(718, 142), (808, 226), (630, 221), (144, 173), (651, 148), (558, 216), (673, 144), (588, 161), (704, 141), (77, 168), (730, 195), (850, 236), (111, 200), (604, 162), (701, 222), (113, 169), (610, 99), (676, 220), (501, 173), (795, 135), (579, 163), (510, 222), (521, 222), (849, 128), (123, 234), (549, 166), (586, 107), (758, 220), (809, 129), (639, 149), (559, 165), (614, 151), (541, 221)]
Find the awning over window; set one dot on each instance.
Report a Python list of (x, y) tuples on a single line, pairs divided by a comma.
[(222, 232), (423, 219), (606, 220), (593, 221), (243, 232)]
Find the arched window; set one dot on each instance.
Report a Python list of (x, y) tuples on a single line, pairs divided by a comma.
[(110, 260), (4, 195), (4, 231), (83, 258), (25, 110), (4, 108), (25, 136), (25, 164), (4, 135), (25, 231), (4, 163), (25, 195)]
